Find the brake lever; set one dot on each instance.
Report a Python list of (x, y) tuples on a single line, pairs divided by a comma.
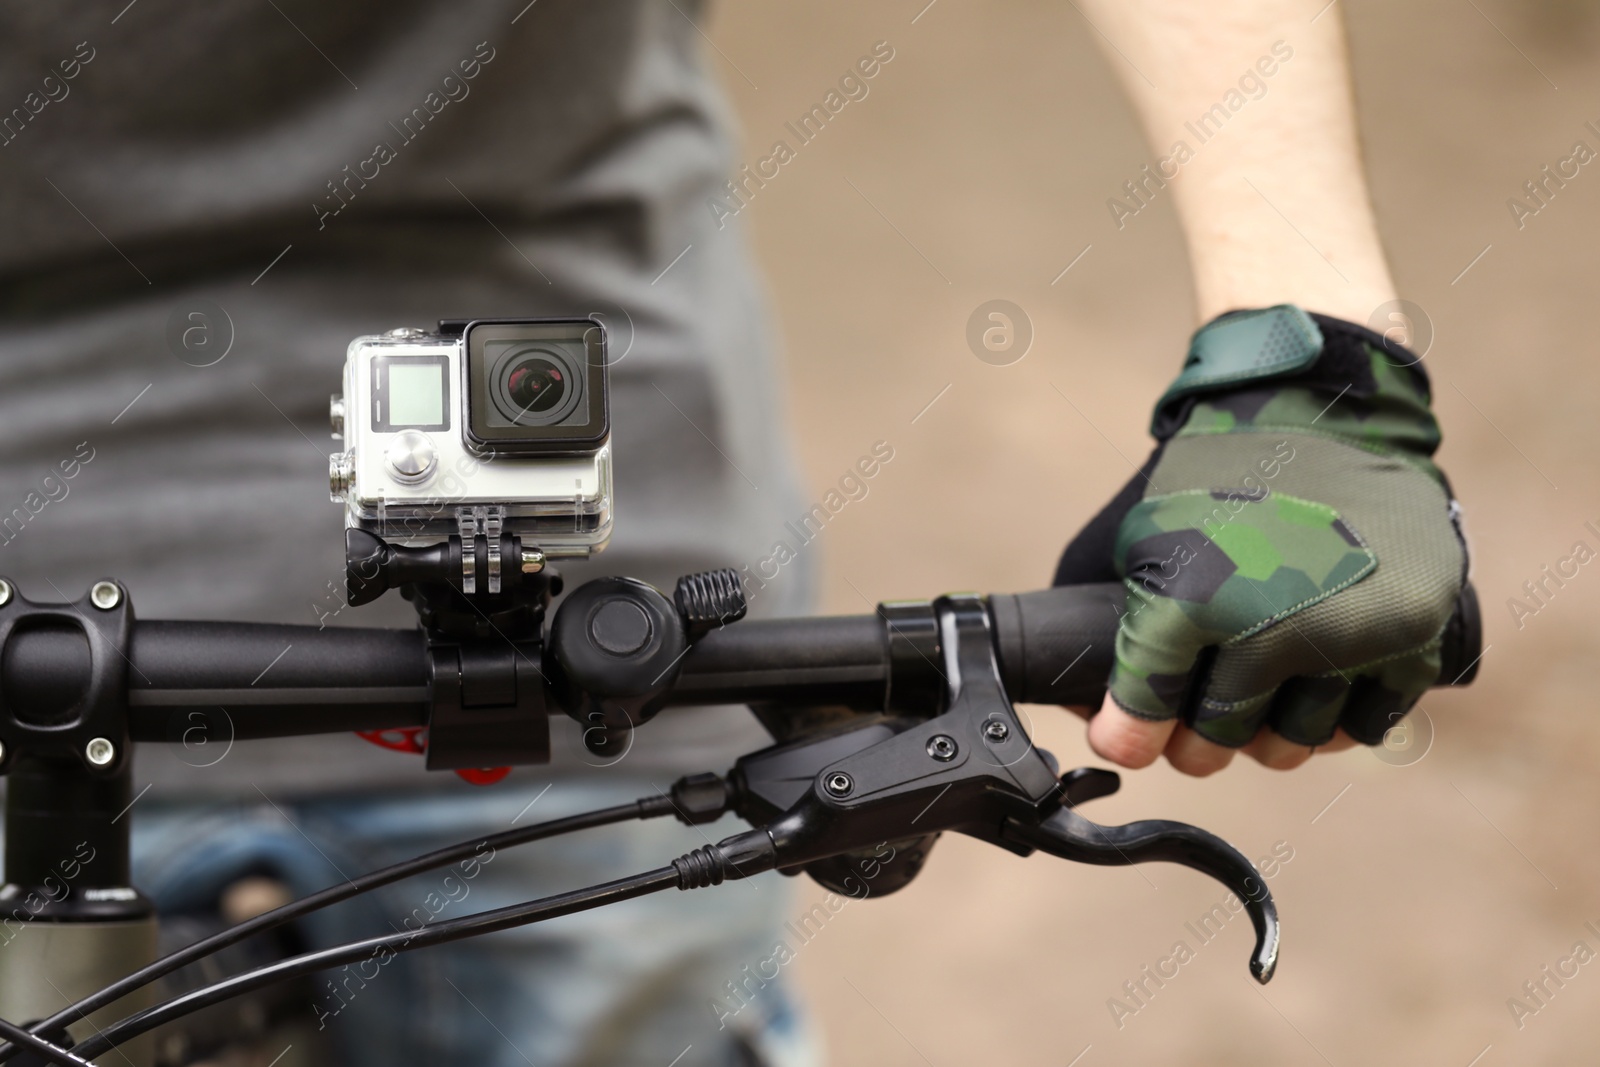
[(1072, 837), (972, 769)]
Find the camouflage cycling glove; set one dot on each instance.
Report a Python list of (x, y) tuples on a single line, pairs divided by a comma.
[(1290, 551)]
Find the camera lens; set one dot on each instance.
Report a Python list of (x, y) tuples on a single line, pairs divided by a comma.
[(535, 384)]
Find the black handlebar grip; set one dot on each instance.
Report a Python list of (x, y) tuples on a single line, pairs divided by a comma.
[(1057, 646)]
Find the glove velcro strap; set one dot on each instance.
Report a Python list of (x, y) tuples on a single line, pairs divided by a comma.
[(1242, 349)]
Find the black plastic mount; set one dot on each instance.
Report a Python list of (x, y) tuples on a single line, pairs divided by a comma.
[(488, 571), (483, 613), (488, 705), (614, 650)]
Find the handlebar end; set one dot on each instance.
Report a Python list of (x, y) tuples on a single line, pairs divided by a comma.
[(1462, 645)]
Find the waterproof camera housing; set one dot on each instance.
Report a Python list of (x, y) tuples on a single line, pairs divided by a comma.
[(498, 424)]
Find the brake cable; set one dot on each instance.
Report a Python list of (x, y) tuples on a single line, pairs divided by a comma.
[(700, 798), (487, 922), (51, 1052)]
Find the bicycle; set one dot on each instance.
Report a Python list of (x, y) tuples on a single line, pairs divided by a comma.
[(923, 739)]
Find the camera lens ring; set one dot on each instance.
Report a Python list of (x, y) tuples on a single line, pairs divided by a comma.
[(540, 361)]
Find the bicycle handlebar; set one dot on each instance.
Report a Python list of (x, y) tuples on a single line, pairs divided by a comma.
[(1054, 646), (330, 680), (946, 670)]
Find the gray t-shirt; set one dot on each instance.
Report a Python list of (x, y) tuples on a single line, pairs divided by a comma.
[(320, 171)]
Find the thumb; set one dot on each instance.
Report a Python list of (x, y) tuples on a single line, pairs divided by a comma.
[(1125, 740)]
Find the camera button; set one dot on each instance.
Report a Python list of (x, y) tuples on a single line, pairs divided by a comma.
[(411, 456)]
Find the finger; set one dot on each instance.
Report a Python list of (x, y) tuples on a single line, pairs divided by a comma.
[(1272, 749), (1306, 710), (1125, 740), (1192, 754), (1244, 690), (1340, 742), (1382, 695), (1232, 723)]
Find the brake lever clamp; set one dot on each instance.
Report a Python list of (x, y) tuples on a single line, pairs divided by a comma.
[(972, 769)]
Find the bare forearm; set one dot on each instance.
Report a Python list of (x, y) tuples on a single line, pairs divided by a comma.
[(1247, 106)]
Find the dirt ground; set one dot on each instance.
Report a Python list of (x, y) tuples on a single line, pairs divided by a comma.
[(1422, 892)]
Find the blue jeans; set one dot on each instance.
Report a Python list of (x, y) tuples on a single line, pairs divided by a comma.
[(644, 982)]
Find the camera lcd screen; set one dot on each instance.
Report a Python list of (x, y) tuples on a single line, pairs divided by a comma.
[(410, 393), (416, 395)]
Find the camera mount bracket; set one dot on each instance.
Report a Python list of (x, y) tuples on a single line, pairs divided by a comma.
[(485, 648), (490, 522), (513, 573)]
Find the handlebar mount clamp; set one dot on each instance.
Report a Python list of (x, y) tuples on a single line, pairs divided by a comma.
[(65, 671)]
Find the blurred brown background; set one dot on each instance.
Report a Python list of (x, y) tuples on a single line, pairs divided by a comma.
[(978, 167)]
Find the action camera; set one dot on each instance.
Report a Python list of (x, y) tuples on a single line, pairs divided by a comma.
[(501, 421)]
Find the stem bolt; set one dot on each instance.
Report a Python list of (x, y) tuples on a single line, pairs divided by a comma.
[(100, 752), (839, 784), (5, 592), (996, 731), (105, 595), (942, 747)]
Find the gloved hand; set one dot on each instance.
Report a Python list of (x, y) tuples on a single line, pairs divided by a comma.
[(1290, 551)]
